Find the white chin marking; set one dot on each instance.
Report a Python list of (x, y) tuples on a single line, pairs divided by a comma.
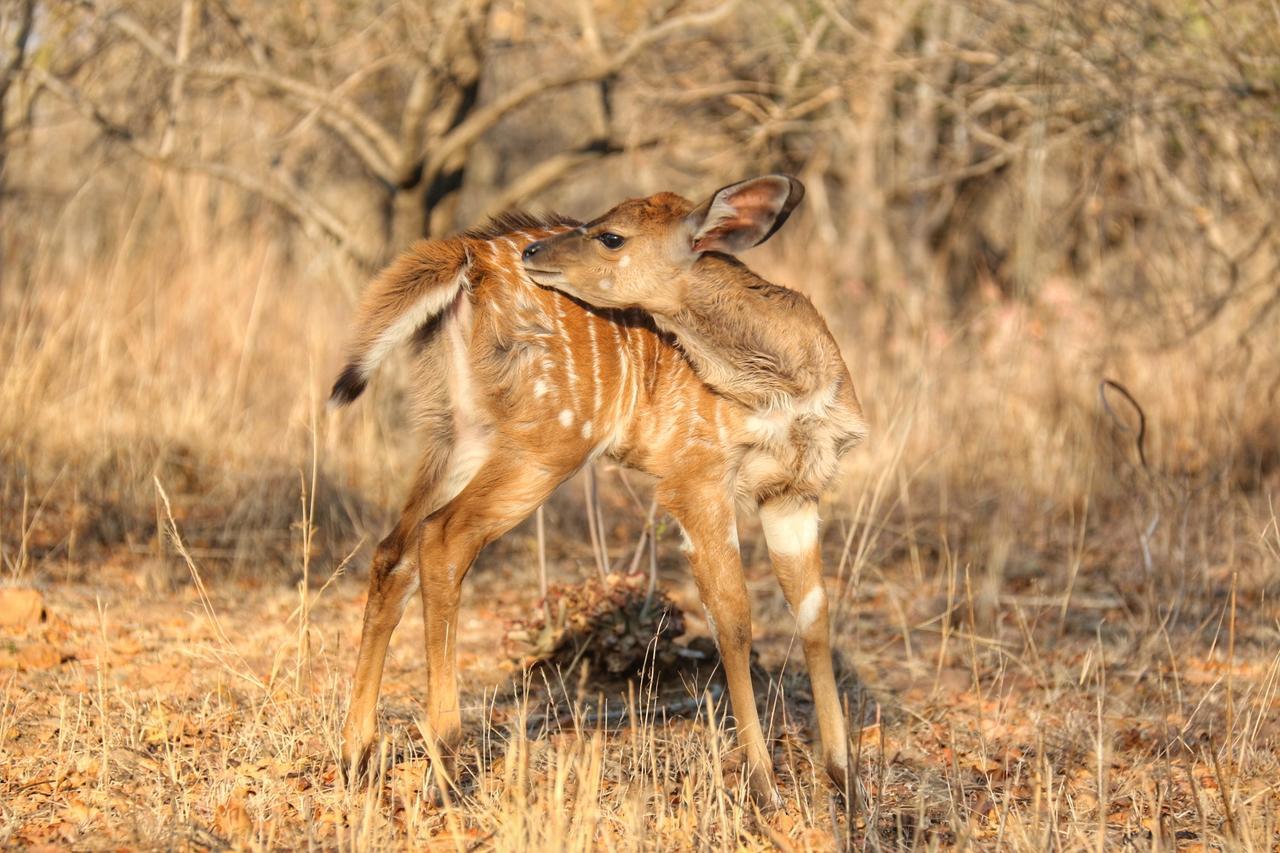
[(807, 613), (566, 418), (790, 531)]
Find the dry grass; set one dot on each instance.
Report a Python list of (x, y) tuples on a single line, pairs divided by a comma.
[(1047, 646)]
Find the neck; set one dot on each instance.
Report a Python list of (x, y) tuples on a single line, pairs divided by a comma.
[(752, 341)]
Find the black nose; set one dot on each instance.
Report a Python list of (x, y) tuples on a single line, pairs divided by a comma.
[(531, 250)]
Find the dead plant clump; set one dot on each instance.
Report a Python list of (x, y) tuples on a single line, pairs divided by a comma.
[(612, 626)]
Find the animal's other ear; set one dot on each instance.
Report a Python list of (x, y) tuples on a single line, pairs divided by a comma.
[(744, 214)]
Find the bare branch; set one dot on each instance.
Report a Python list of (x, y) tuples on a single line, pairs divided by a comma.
[(484, 119), (177, 86), (551, 170), (288, 197), (248, 40), (18, 49), (378, 149)]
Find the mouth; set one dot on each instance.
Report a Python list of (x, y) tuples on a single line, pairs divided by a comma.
[(547, 277)]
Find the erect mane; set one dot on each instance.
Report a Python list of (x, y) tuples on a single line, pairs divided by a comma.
[(518, 220)]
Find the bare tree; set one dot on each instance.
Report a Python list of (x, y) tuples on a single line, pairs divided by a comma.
[(16, 21), (407, 106)]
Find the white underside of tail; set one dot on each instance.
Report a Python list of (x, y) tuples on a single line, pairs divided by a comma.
[(421, 312)]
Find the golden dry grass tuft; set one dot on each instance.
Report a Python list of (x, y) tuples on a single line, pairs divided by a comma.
[(1046, 644)]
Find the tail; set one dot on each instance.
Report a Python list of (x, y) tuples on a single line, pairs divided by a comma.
[(409, 294)]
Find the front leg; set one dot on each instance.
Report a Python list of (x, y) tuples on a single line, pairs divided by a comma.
[(791, 532)]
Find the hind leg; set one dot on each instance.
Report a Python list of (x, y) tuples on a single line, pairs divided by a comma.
[(393, 578), (502, 494)]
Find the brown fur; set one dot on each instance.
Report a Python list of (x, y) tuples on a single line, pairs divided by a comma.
[(519, 386)]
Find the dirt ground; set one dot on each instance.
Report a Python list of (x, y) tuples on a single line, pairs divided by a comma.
[(207, 718)]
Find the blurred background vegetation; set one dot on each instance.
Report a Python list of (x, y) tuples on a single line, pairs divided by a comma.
[(949, 145)]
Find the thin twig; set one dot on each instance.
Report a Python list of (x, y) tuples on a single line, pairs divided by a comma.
[(1140, 440)]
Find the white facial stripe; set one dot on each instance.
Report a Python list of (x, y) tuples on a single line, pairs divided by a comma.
[(807, 613), (790, 531)]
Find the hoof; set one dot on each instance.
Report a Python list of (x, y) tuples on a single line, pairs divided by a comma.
[(841, 779), (764, 793), (433, 795), (353, 765)]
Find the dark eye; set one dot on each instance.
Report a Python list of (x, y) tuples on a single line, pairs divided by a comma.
[(610, 240)]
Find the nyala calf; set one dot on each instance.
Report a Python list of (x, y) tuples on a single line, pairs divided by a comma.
[(542, 344)]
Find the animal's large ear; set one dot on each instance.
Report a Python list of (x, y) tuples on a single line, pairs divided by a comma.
[(744, 214)]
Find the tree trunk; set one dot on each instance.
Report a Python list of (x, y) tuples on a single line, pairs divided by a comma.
[(407, 219)]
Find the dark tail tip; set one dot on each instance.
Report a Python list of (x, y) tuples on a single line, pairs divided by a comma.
[(349, 386)]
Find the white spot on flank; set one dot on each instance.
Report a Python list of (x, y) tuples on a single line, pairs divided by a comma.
[(566, 418), (807, 613), (624, 262), (790, 531), (586, 429), (539, 389)]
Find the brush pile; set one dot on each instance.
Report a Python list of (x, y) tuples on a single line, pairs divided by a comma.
[(613, 626)]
